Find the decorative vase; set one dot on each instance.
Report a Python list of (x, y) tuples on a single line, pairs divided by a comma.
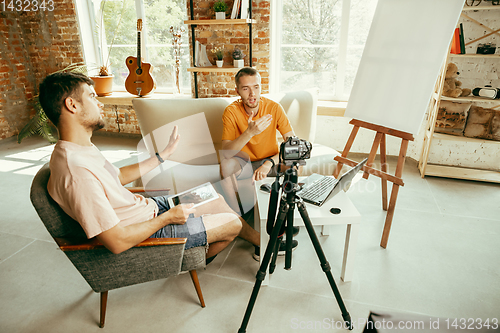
[(220, 15), (238, 63), (219, 63), (103, 85)]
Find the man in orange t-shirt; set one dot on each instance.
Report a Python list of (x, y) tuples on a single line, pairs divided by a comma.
[(249, 138), (249, 132)]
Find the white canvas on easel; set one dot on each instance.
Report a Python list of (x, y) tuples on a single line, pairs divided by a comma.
[(403, 54)]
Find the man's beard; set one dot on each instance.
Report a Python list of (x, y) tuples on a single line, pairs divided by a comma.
[(251, 106), (98, 125), (92, 124), (95, 126)]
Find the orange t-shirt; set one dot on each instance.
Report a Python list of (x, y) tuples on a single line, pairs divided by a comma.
[(263, 145)]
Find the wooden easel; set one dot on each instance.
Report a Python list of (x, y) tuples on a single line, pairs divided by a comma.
[(397, 181)]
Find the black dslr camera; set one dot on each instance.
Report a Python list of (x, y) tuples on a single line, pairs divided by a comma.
[(295, 150), (487, 48)]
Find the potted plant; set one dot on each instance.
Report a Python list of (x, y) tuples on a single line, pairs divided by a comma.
[(220, 8), (219, 55), (238, 56), (104, 79)]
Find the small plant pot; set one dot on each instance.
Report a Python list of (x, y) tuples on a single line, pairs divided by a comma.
[(103, 85), (220, 15), (238, 63), (219, 63)]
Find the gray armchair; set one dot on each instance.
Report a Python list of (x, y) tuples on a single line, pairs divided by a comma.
[(153, 259)]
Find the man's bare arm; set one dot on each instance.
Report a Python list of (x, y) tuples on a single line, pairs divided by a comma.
[(119, 238), (132, 172)]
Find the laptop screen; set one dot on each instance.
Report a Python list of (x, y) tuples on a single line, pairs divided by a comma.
[(346, 179)]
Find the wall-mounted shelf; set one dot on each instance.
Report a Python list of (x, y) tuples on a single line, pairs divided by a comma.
[(215, 69), (227, 21)]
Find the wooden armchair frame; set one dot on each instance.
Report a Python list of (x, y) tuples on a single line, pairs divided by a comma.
[(68, 244)]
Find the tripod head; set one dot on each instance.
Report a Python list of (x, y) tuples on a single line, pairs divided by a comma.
[(293, 153)]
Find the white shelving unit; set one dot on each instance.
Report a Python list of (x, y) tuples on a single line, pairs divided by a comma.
[(449, 171), (224, 69)]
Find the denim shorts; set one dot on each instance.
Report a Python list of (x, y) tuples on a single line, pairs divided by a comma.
[(248, 168), (193, 229)]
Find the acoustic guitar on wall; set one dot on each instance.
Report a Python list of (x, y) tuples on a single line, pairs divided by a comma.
[(139, 80)]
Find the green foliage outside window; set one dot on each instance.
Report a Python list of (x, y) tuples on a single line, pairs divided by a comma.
[(310, 42), (159, 16)]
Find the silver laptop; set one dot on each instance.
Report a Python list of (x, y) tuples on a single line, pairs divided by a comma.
[(318, 189)]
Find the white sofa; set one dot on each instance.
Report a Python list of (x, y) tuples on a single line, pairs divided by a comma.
[(196, 159)]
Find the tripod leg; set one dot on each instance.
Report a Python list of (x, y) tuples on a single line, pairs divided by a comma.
[(324, 263), (261, 274), (272, 265), (289, 236)]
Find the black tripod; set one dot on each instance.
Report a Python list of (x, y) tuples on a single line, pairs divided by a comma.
[(276, 230)]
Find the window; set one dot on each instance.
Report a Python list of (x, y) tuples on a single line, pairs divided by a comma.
[(318, 44), (121, 39)]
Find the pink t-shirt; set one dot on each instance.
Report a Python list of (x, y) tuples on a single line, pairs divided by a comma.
[(88, 189)]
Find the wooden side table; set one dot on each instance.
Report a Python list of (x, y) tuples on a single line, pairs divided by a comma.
[(349, 215)]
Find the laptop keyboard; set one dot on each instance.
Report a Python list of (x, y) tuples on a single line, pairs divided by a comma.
[(319, 188)]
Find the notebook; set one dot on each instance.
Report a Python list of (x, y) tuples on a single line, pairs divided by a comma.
[(318, 189)]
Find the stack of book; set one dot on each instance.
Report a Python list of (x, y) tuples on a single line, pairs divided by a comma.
[(458, 44), (240, 9)]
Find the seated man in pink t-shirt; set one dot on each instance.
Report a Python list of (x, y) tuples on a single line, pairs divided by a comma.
[(90, 189)]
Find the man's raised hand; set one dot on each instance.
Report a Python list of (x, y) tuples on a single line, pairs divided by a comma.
[(173, 142), (258, 126)]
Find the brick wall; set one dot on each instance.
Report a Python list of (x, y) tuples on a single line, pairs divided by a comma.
[(33, 44), (231, 36), (36, 43), (120, 119)]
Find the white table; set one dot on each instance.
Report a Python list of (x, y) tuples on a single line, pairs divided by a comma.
[(319, 216)]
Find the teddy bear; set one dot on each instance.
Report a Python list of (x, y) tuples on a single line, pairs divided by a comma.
[(451, 87)]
